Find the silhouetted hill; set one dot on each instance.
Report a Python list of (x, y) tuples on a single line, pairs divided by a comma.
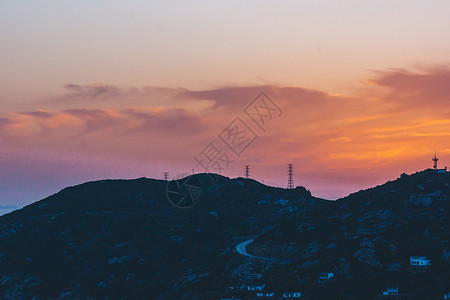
[(7, 209), (124, 239)]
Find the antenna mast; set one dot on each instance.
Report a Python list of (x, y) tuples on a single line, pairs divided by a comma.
[(435, 160)]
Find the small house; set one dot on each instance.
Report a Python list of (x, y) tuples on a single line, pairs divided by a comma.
[(236, 287), (260, 294), (256, 287), (324, 277), (292, 295), (440, 171), (253, 276), (391, 292), (419, 261)]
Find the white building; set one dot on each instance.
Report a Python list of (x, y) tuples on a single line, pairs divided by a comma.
[(236, 287), (256, 287), (324, 277), (391, 292), (419, 261), (440, 171), (292, 295), (271, 294), (253, 276)]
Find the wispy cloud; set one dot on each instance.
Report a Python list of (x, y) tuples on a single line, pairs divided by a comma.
[(402, 115), (412, 90)]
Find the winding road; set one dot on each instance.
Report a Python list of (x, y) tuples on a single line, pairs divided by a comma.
[(240, 248)]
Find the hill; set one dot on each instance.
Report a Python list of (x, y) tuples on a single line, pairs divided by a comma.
[(125, 239)]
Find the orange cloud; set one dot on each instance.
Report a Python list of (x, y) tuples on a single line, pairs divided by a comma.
[(367, 135)]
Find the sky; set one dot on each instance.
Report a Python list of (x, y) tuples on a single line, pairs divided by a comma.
[(353, 93)]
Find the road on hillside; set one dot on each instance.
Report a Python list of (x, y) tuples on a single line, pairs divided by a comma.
[(240, 248)]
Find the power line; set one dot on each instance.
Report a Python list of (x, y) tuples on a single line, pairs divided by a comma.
[(166, 176), (247, 172), (290, 184)]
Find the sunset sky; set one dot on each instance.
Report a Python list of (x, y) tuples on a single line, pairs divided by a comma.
[(125, 89)]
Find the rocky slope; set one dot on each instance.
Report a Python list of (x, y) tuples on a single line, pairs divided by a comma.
[(123, 239)]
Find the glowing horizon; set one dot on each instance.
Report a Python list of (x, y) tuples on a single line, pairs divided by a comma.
[(125, 90)]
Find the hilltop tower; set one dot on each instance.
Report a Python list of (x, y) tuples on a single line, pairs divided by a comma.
[(247, 172), (290, 184), (435, 160)]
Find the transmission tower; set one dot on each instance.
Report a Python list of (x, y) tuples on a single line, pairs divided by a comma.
[(166, 176), (290, 184), (247, 172), (435, 160)]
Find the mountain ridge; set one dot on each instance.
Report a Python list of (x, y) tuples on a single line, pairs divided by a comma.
[(124, 238)]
